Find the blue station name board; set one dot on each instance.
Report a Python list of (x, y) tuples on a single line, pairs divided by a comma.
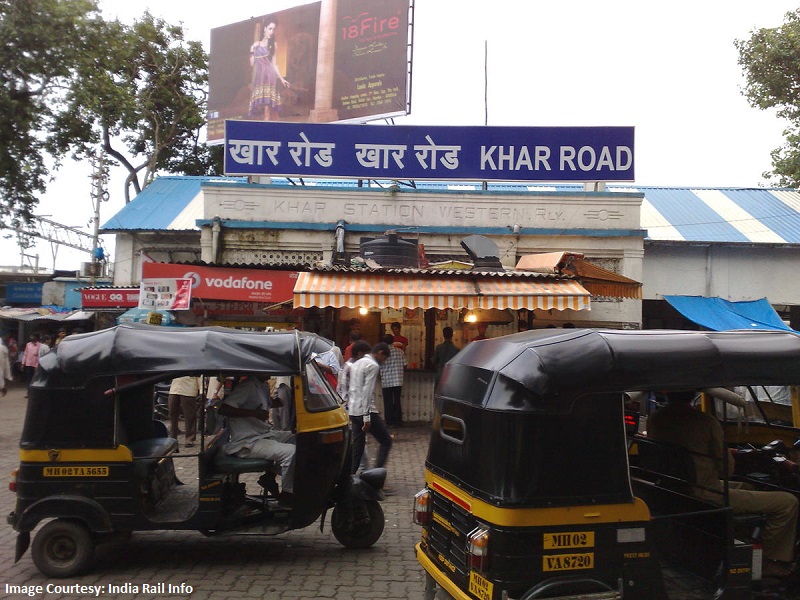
[(421, 152)]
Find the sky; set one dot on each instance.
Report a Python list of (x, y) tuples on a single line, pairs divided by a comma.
[(670, 70)]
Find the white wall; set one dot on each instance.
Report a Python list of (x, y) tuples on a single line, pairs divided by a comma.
[(735, 273)]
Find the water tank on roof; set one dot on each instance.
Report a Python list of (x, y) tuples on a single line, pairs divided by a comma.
[(391, 251)]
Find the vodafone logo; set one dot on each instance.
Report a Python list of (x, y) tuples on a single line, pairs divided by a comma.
[(238, 283), (195, 277)]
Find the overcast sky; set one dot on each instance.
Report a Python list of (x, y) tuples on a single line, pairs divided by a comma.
[(670, 70)]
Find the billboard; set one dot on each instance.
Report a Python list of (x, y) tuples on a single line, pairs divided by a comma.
[(316, 63), (473, 153), (219, 283)]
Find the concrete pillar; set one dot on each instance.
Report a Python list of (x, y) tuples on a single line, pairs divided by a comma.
[(323, 111)]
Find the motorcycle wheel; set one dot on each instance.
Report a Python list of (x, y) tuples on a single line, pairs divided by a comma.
[(359, 525), (62, 548)]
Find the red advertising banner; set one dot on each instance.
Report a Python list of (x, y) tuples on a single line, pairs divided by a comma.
[(218, 283), (110, 298), (165, 294), (266, 68)]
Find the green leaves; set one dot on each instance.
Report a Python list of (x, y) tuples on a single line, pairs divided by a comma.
[(72, 83), (771, 63)]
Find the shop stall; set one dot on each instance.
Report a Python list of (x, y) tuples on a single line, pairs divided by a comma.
[(424, 301)]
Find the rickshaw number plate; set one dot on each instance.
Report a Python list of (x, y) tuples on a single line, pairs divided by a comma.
[(567, 562), (480, 587), (75, 471), (568, 539)]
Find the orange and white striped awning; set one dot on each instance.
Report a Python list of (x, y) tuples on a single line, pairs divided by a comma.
[(398, 290)]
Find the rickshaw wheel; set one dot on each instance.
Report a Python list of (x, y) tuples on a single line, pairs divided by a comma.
[(62, 548), (359, 525)]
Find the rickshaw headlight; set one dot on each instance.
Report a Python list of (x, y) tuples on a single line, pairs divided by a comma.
[(478, 549), (12, 483), (422, 508)]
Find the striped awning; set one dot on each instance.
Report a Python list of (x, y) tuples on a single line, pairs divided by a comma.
[(395, 290)]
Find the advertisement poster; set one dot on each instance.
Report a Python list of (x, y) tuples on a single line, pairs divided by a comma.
[(165, 294), (265, 68), (371, 58)]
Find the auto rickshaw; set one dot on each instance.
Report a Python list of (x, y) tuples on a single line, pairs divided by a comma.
[(534, 489), (95, 465)]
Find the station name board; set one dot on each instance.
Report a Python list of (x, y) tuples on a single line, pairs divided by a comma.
[(436, 152)]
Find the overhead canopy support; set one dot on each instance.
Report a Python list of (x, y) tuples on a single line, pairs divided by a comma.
[(597, 280), (455, 291)]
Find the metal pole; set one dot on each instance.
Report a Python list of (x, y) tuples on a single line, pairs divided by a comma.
[(99, 194)]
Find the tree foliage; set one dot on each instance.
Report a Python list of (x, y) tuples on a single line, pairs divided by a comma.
[(770, 59), (37, 57), (72, 83)]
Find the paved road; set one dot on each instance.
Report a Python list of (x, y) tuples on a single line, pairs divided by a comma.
[(302, 564)]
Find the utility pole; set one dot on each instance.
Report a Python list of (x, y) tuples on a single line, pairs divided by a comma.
[(99, 178)]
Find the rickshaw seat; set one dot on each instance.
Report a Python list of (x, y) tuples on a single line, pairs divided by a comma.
[(215, 460), (225, 463)]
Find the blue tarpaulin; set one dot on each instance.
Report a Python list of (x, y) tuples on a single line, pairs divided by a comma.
[(723, 315)]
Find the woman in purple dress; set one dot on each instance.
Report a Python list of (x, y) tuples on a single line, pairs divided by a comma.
[(267, 83)]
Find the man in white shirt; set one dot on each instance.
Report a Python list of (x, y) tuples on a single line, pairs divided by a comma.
[(251, 435), (364, 416)]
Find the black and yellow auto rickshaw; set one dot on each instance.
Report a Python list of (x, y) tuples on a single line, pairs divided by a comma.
[(533, 489), (95, 465)]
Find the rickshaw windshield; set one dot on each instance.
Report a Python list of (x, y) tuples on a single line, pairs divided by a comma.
[(319, 395)]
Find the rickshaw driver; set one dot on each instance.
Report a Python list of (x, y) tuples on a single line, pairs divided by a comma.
[(251, 436), (701, 434)]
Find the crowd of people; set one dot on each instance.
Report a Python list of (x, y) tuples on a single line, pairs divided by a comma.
[(22, 363)]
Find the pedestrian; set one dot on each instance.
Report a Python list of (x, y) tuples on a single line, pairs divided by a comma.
[(184, 394), (443, 353), (364, 416), (330, 362), (30, 357), (62, 333), (5, 368), (45, 344), (392, 382), (354, 336), (482, 327), (400, 341)]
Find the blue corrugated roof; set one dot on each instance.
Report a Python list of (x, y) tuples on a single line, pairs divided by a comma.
[(160, 203), (726, 215)]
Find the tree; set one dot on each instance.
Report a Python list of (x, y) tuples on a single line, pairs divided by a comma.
[(40, 43), (143, 101), (771, 63), (72, 84)]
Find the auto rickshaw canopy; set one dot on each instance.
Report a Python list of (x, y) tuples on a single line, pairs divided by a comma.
[(138, 349), (555, 365)]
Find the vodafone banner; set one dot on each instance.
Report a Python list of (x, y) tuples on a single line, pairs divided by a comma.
[(220, 283)]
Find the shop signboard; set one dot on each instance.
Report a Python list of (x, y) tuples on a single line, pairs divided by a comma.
[(109, 298), (221, 283), (267, 67), (24, 293), (430, 152)]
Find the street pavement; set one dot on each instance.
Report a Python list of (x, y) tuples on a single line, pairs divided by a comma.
[(304, 564)]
